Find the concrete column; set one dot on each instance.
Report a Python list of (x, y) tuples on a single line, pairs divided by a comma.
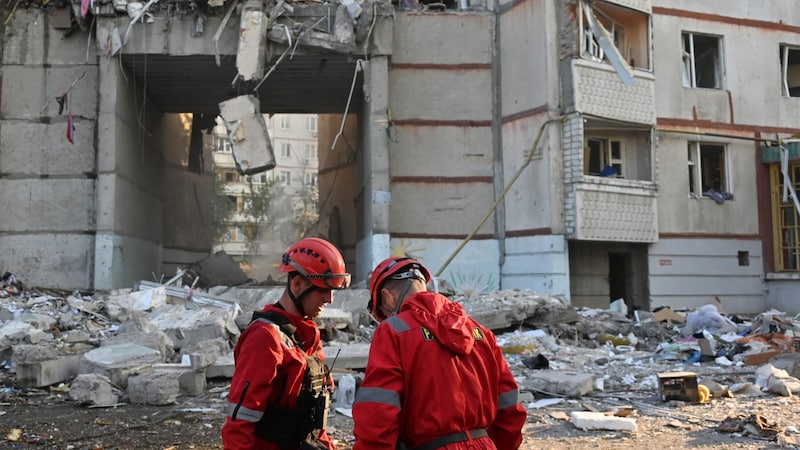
[(46, 181), (130, 181), (373, 245)]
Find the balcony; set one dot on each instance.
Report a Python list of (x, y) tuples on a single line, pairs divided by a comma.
[(610, 192), (613, 210), (612, 74)]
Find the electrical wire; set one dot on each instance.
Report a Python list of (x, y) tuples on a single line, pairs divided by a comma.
[(359, 67)]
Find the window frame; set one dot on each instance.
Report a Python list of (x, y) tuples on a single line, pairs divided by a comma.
[(781, 229), (311, 151), (786, 90), (286, 150), (311, 123), (690, 61), (606, 157), (698, 175), (286, 121)]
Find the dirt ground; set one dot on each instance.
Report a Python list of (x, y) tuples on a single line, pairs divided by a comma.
[(49, 420)]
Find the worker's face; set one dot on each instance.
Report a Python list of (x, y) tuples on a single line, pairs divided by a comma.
[(316, 299)]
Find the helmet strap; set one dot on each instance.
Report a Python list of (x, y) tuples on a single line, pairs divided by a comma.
[(402, 297), (297, 299)]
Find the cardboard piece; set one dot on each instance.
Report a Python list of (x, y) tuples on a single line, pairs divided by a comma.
[(668, 315)]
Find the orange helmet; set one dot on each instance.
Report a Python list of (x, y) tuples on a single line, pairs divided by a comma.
[(319, 261), (396, 268)]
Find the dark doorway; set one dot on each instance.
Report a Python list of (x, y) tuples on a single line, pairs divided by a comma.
[(618, 267)]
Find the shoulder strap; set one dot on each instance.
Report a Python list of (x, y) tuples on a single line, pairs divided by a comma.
[(281, 321)]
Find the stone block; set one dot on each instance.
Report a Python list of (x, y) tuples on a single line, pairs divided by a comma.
[(588, 420), (48, 259), (54, 205), (568, 384), (153, 387), (24, 97), (42, 149), (204, 353), (222, 368), (120, 361), (192, 382), (28, 42), (41, 365), (93, 389), (185, 326)]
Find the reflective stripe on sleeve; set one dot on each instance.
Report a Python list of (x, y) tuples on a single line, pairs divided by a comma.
[(378, 395), (507, 399), (250, 415), (397, 324)]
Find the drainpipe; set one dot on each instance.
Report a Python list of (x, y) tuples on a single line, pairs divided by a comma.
[(497, 142)]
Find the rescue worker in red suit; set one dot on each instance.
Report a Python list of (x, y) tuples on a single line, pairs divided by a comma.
[(435, 378), (279, 394)]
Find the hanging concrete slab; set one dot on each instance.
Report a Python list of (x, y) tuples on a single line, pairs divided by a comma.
[(248, 135), (252, 41)]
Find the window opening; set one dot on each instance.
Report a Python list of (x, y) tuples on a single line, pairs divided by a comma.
[(605, 157), (311, 151), (708, 171), (311, 123), (286, 150), (790, 70), (702, 61)]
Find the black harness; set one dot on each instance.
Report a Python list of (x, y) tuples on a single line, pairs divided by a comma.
[(302, 425)]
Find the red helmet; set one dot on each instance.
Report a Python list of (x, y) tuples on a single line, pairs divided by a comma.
[(319, 261), (397, 268)]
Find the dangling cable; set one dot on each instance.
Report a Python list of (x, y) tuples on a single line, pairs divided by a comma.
[(359, 63)]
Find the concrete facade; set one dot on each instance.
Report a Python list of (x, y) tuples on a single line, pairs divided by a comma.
[(480, 142)]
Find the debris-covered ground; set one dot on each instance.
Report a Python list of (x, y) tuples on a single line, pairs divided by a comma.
[(149, 367)]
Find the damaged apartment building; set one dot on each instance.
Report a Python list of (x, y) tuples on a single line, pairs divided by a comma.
[(635, 149)]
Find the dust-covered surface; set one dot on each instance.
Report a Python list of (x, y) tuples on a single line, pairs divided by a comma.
[(611, 359), (47, 420)]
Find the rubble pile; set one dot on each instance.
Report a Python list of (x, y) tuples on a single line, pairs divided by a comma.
[(159, 342)]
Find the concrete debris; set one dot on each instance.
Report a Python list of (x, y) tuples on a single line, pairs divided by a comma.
[(252, 40), (587, 420), (158, 342), (248, 135), (91, 389)]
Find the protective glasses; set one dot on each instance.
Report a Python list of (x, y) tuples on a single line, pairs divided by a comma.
[(336, 281)]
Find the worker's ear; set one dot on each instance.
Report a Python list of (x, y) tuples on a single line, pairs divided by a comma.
[(389, 299)]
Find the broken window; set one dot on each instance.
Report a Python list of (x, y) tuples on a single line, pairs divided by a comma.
[(707, 170), (790, 70), (702, 61), (286, 150), (231, 176), (626, 30), (605, 157)]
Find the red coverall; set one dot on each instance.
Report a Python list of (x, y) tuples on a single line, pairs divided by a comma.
[(267, 371), (434, 371)]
